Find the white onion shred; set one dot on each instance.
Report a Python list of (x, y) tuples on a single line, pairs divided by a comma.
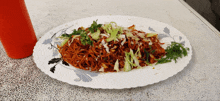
[(105, 45), (122, 37)]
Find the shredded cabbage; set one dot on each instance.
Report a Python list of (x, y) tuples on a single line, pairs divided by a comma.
[(129, 34), (64, 42), (138, 53), (127, 66), (150, 34), (113, 31), (116, 66), (131, 60), (134, 58), (95, 35)]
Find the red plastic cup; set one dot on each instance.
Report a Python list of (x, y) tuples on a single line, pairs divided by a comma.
[(16, 31)]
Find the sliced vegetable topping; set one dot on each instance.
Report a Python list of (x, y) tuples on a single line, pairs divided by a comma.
[(116, 66), (114, 31), (94, 27), (96, 35), (127, 66), (85, 39)]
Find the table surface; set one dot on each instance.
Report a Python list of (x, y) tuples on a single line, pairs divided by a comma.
[(21, 79)]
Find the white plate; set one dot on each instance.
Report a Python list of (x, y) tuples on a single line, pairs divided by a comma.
[(45, 50)]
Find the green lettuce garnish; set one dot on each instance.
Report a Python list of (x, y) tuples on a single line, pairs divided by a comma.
[(134, 58), (116, 66), (127, 66), (131, 60), (113, 31), (64, 42), (96, 34), (150, 34)]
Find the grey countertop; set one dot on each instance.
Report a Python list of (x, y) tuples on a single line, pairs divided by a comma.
[(21, 79)]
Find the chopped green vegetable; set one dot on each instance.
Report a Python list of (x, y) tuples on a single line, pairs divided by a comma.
[(150, 47), (147, 55), (131, 60), (73, 37), (129, 34), (134, 58), (65, 39), (85, 39), (75, 32), (94, 26), (116, 66), (102, 69), (148, 63), (127, 66), (113, 35), (138, 53), (112, 31), (95, 35), (174, 51), (152, 52), (65, 35), (150, 34), (63, 43)]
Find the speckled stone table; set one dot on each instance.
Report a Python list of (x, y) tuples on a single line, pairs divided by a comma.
[(20, 79)]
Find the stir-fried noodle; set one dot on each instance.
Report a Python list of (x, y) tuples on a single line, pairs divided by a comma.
[(103, 55)]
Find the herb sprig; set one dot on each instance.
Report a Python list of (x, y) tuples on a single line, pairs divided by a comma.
[(75, 32), (173, 52), (85, 39), (148, 54), (94, 26)]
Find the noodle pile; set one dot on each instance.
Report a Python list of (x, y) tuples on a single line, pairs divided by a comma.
[(97, 57)]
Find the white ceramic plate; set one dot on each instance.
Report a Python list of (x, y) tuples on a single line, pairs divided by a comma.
[(45, 51)]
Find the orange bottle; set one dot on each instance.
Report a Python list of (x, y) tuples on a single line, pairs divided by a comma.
[(16, 31)]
